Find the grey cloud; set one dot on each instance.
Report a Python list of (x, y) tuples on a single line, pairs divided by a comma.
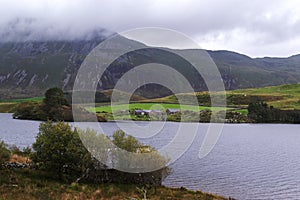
[(263, 22)]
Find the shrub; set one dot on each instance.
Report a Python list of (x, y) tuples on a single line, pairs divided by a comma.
[(59, 150), (4, 153), (29, 110), (54, 97)]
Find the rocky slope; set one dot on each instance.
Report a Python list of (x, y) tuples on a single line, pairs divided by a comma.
[(28, 68)]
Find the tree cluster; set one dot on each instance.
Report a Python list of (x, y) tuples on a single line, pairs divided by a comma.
[(54, 107), (261, 112), (59, 150)]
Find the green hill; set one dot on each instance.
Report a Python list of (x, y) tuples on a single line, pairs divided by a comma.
[(282, 96), (288, 96)]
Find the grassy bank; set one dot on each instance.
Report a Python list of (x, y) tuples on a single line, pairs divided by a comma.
[(17, 184), (7, 107)]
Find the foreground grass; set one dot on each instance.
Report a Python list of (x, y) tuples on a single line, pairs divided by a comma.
[(28, 184)]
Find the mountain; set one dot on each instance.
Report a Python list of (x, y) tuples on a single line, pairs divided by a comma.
[(28, 68)]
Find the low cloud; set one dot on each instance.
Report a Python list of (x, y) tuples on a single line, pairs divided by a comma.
[(256, 28)]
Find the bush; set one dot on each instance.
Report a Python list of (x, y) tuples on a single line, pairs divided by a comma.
[(59, 150), (4, 153), (54, 97), (127, 143), (29, 110), (104, 149)]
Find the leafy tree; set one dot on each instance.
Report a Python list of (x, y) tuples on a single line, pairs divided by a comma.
[(54, 103), (128, 143), (259, 111), (54, 107), (54, 97), (142, 157), (262, 113), (4, 153), (59, 150)]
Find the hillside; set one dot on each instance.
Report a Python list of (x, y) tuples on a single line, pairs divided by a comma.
[(288, 95), (27, 69), (283, 96)]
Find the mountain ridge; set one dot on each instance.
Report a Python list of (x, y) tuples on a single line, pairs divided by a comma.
[(27, 69)]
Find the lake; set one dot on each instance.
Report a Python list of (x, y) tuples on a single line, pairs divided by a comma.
[(250, 161)]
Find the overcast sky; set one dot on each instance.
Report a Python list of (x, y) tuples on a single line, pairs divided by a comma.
[(257, 28)]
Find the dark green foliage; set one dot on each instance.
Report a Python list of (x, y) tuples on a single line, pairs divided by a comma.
[(54, 97), (4, 153), (54, 107), (59, 151), (261, 112), (54, 104), (29, 110)]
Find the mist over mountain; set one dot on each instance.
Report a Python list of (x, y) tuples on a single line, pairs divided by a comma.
[(24, 29), (31, 62)]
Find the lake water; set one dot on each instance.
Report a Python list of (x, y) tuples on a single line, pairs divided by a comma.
[(250, 161)]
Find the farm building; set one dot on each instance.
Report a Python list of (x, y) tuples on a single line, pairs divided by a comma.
[(138, 112), (172, 111), (142, 112)]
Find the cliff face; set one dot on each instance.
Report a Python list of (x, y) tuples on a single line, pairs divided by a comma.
[(28, 68)]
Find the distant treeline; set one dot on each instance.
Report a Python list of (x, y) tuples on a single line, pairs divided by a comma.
[(261, 112), (55, 107)]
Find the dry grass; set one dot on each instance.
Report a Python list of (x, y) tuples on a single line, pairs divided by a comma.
[(6, 107), (30, 184), (19, 159)]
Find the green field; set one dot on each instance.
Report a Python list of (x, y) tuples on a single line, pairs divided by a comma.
[(152, 106), (23, 100)]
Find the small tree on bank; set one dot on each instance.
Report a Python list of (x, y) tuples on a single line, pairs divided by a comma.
[(58, 150)]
